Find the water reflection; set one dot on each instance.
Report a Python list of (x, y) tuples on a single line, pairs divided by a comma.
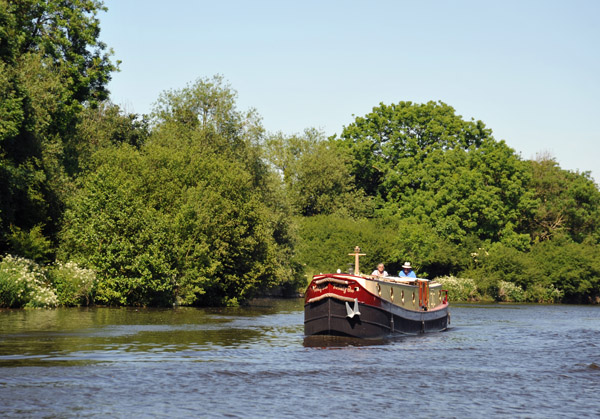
[(324, 341), (31, 337)]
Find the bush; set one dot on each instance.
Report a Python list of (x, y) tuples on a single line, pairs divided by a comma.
[(500, 263), (24, 284), (74, 285), (573, 268), (509, 292), (459, 289), (543, 294), (30, 244), (178, 223)]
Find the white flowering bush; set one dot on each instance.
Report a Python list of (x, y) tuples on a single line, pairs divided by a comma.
[(509, 292), (74, 285), (459, 289), (23, 283)]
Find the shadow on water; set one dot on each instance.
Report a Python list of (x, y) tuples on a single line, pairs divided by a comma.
[(328, 341), (332, 342)]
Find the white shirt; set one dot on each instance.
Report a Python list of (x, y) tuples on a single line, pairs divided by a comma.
[(376, 273)]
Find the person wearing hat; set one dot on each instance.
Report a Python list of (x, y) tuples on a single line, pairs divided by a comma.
[(407, 271)]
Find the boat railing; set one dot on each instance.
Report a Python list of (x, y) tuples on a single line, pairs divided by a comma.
[(397, 279)]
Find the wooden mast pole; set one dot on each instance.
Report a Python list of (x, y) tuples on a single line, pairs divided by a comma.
[(356, 255)]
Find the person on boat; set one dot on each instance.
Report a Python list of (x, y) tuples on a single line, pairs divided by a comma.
[(407, 271), (380, 271)]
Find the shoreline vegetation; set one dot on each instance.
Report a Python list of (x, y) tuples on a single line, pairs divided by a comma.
[(198, 204), (26, 284)]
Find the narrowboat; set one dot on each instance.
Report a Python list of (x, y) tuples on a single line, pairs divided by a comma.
[(372, 307)]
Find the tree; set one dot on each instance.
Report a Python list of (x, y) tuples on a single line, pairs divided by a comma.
[(258, 251), (426, 162), (393, 138), (569, 202), (32, 176), (187, 217), (315, 175), (573, 268), (51, 66), (67, 33), (109, 226), (105, 126)]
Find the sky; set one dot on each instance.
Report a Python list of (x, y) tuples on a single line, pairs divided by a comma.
[(529, 70)]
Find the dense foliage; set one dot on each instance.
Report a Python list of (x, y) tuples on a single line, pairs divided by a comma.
[(499, 220), (52, 65), (316, 177), (196, 204), (187, 218)]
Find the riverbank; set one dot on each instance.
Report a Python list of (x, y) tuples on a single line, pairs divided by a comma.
[(25, 284)]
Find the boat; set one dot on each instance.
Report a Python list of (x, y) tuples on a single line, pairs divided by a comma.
[(373, 307)]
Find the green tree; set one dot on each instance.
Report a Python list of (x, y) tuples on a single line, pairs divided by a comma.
[(104, 126), (185, 218), (111, 228), (573, 268), (51, 65), (326, 240), (67, 33), (392, 139), (315, 175), (258, 250), (31, 173), (426, 162), (569, 203)]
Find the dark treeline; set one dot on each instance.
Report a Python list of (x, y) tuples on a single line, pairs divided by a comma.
[(198, 204)]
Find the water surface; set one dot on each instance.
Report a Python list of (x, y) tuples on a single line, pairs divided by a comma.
[(496, 360)]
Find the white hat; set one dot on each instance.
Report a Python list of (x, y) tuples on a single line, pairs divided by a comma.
[(406, 265)]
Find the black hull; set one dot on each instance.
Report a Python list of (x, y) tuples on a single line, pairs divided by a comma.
[(329, 317)]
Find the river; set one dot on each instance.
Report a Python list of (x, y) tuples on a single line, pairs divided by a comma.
[(514, 361)]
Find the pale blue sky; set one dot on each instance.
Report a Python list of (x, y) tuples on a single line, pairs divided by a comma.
[(528, 69)]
